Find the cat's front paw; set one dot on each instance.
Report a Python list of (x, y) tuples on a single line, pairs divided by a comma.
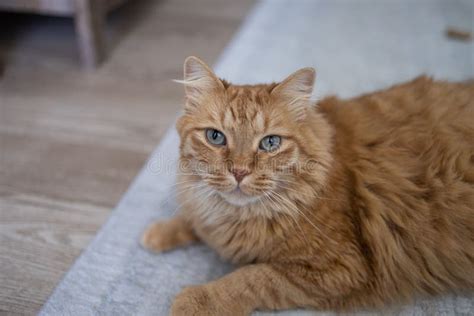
[(158, 237), (166, 235), (199, 301)]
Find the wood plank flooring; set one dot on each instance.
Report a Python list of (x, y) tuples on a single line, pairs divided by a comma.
[(71, 141)]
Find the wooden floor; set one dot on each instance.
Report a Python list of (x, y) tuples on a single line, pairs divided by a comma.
[(71, 141)]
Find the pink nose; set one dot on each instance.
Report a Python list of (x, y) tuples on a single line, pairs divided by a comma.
[(239, 174)]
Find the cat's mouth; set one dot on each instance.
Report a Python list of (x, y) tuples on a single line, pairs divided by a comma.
[(239, 197)]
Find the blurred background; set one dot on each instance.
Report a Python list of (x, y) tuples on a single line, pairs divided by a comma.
[(86, 94)]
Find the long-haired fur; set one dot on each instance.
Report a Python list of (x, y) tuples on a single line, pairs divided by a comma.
[(368, 201)]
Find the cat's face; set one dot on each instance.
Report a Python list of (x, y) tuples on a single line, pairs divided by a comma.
[(243, 142)]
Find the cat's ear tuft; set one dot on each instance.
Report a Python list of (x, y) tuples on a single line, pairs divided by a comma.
[(199, 80), (297, 89)]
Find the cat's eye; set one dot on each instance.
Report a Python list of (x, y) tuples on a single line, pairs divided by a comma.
[(270, 143), (215, 137)]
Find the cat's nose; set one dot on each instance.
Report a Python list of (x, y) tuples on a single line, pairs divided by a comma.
[(239, 174)]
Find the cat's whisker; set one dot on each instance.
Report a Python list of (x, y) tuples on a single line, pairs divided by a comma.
[(178, 206), (175, 193), (293, 190), (303, 206), (190, 190), (284, 200), (303, 213), (183, 182), (288, 205), (188, 173), (262, 202), (301, 193), (203, 193), (192, 184), (270, 199)]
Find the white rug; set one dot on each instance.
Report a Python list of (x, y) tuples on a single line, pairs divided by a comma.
[(356, 47)]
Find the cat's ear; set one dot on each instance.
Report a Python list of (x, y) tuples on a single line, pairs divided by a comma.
[(296, 90), (199, 80)]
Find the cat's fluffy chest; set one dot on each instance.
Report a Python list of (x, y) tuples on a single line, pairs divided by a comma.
[(241, 239)]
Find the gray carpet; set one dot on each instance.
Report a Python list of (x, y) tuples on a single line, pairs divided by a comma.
[(356, 47)]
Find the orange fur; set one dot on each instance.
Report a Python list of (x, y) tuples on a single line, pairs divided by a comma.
[(368, 201)]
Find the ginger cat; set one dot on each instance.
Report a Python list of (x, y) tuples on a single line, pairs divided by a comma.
[(340, 205)]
